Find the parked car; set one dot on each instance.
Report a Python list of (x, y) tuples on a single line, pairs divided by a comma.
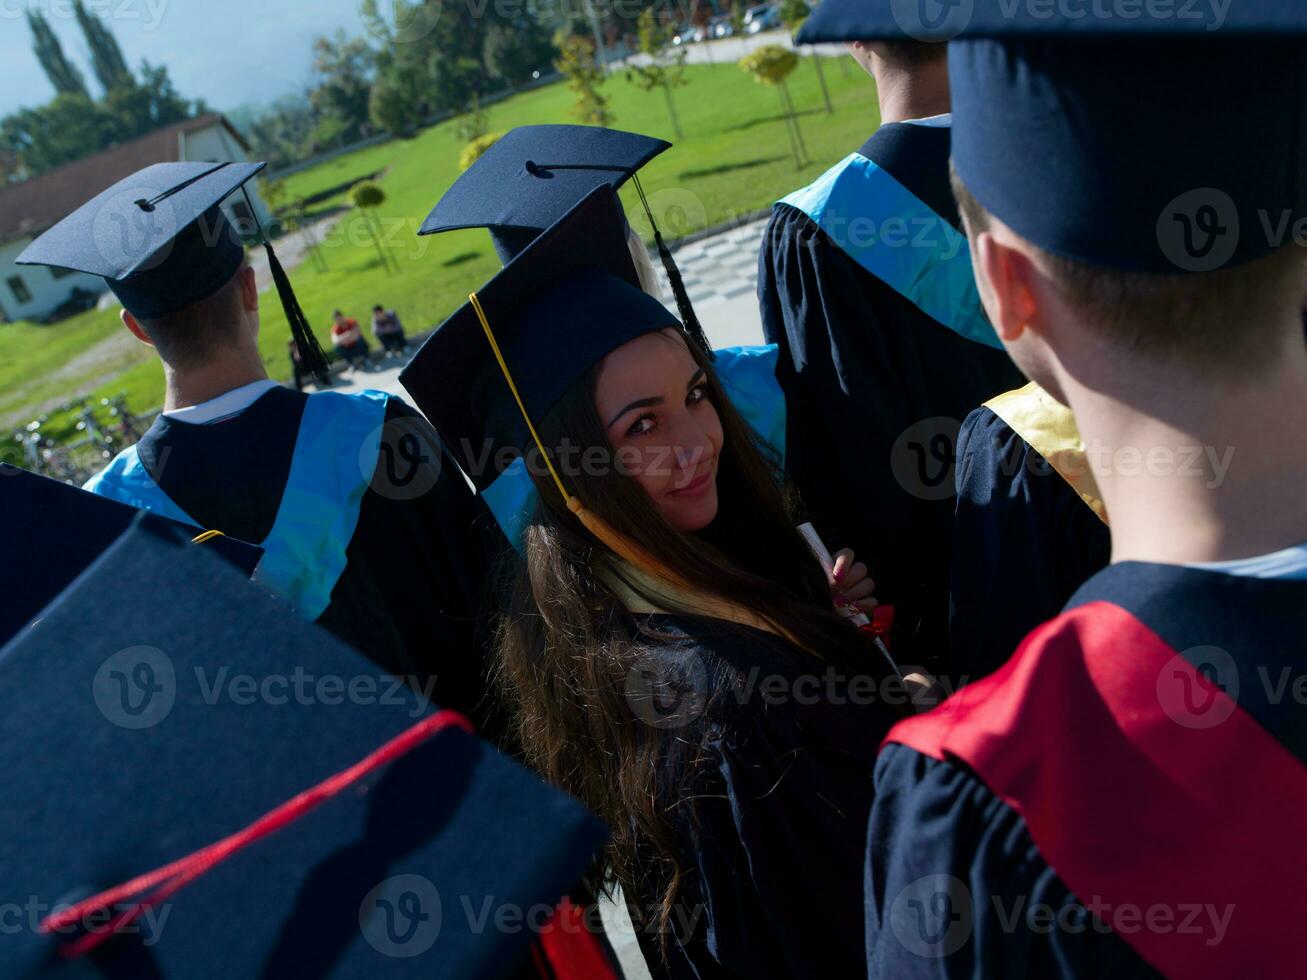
[(764, 17), (721, 27)]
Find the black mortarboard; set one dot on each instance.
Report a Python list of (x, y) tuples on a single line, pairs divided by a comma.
[(164, 704), (54, 531), (533, 175), (161, 242), (560, 306), (1161, 139)]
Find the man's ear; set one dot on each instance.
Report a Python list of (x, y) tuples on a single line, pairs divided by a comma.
[(134, 325), (1010, 276), (249, 290)]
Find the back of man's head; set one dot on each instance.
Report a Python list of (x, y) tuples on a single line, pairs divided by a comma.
[(196, 334), (1229, 322)]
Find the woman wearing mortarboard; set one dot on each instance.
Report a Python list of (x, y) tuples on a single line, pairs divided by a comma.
[(670, 649), (527, 181)]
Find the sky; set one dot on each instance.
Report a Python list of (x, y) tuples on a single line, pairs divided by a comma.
[(228, 52)]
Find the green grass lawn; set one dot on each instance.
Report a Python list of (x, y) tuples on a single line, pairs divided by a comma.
[(734, 159)]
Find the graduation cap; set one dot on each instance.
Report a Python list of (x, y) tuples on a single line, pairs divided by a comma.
[(533, 175), (501, 362), (1156, 139), (197, 783), (68, 529), (161, 242)]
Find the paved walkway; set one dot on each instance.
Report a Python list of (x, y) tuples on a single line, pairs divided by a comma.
[(721, 276)]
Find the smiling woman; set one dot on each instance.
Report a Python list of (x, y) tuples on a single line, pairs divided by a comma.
[(669, 652)]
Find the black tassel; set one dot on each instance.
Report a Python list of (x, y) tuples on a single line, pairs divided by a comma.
[(684, 307), (312, 357)]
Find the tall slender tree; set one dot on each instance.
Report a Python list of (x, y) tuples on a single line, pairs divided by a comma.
[(63, 74), (107, 59)]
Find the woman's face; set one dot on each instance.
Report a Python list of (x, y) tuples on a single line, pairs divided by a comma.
[(652, 399)]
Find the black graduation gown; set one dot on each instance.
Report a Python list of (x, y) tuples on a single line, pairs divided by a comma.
[(411, 590), (1123, 799), (1023, 542), (773, 824), (876, 388)]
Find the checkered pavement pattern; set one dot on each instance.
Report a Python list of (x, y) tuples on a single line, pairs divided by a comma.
[(723, 267)]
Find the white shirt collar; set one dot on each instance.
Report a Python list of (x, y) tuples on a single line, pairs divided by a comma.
[(1288, 563), (941, 121), (227, 404)]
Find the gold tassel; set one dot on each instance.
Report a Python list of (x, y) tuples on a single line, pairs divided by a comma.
[(622, 546)]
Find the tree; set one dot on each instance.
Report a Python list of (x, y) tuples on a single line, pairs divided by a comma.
[(63, 74), (106, 56), (280, 134), (341, 99), (666, 69), (793, 14), (367, 196), (770, 65), (576, 60), (148, 104), (475, 148), (515, 50), (68, 128), (402, 90)]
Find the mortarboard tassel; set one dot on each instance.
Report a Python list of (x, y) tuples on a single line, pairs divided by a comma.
[(683, 305), (311, 354), (310, 351)]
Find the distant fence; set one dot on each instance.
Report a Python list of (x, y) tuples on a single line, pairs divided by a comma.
[(430, 121)]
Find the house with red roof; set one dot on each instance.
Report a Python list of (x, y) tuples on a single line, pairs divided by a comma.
[(30, 207)]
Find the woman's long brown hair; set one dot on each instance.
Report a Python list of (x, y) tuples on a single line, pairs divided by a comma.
[(566, 647)]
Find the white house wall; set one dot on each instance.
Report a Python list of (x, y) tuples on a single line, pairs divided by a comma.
[(47, 291), (212, 143)]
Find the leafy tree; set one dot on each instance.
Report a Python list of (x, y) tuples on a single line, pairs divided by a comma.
[(367, 196), (457, 81), (576, 60), (148, 104), (106, 56), (666, 68), (514, 50), (280, 134), (341, 99), (474, 123), (63, 74), (68, 128), (771, 65), (473, 151)]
